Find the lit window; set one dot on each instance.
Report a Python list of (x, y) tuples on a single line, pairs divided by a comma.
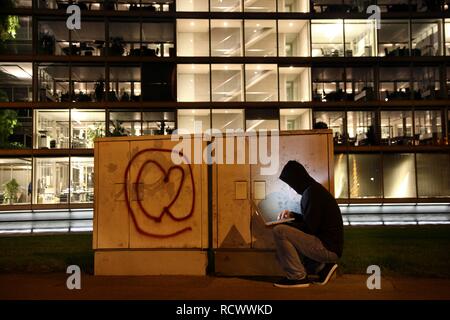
[(193, 82), (192, 38)]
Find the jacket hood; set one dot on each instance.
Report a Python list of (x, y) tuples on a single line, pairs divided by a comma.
[(296, 176)]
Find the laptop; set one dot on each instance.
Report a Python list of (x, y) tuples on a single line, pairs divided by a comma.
[(268, 223)]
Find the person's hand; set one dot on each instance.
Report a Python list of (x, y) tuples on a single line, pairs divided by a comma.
[(285, 214)]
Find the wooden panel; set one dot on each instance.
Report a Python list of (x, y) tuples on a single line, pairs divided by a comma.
[(111, 214), (96, 193), (142, 263), (179, 226), (233, 214), (247, 263), (205, 206), (309, 150), (233, 217)]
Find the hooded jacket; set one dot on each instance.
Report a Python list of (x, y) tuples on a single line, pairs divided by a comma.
[(320, 214)]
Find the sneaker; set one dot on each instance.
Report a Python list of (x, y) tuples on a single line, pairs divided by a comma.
[(326, 273), (288, 283)]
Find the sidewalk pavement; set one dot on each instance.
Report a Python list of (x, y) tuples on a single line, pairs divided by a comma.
[(53, 286)]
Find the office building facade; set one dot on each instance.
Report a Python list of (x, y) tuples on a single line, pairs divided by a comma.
[(143, 67)]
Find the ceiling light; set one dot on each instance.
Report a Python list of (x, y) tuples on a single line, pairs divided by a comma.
[(16, 71)]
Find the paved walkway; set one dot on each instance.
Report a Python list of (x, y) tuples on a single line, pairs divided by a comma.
[(53, 286)]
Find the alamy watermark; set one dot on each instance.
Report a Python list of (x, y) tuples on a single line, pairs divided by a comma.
[(263, 147), (374, 280), (74, 280)]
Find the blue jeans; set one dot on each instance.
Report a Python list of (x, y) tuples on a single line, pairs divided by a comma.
[(300, 253)]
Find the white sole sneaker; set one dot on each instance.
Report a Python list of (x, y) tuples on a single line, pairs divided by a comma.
[(329, 275), (303, 285)]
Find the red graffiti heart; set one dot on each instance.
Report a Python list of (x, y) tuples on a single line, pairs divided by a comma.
[(166, 209)]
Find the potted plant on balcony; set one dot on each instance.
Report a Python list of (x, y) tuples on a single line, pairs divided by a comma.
[(96, 132), (116, 47), (118, 130), (8, 28), (10, 192), (8, 122)]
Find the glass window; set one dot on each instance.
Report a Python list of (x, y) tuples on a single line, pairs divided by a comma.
[(158, 81), (158, 122), (86, 125), (260, 6), (124, 83), (53, 38), (53, 82), (124, 39), (361, 128), (225, 5), (395, 83), (430, 5), (51, 180), (15, 128), (260, 38), (17, 38), (426, 83), (365, 176), (328, 84), (261, 119), (354, 5), (224, 119), (15, 181), (426, 37), (396, 127), (125, 123), (194, 120), (89, 40), (360, 38), (327, 38), (393, 38), (192, 38), (329, 6), (227, 82), (154, 6), (226, 38), (22, 3), (333, 120), (157, 39), (433, 174), (321, 6), (360, 84), (51, 129), (16, 82), (448, 82), (394, 5), (81, 179), (447, 37), (293, 6), (261, 82), (293, 38), (88, 83), (427, 127), (295, 84), (192, 5), (399, 176), (193, 82), (295, 119), (448, 126), (340, 176)]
